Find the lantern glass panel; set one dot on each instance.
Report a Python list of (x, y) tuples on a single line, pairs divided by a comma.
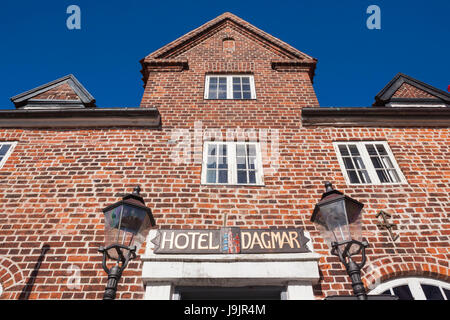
[(333, 222), (127, 225)]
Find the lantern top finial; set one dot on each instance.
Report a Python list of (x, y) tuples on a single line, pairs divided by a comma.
[(137, 190), (328, 186)]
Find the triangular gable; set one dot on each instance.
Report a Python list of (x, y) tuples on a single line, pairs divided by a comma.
[(171, 50), (167, 56), (404, 89), (65, 92)]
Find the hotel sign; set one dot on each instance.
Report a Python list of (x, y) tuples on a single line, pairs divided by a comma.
[(230, 240)]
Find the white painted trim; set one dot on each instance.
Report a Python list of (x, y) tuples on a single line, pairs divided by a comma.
[(158, 291), (161, 273), (415, 105), (206, 87), (8, 153), (368, 163), (1, 289), (229, 78), (414, 286), (299, 291)]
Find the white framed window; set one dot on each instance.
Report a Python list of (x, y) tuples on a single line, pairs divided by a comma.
[(415, 289), (6, 149), (232, 163), (240, 87), (368, 162)]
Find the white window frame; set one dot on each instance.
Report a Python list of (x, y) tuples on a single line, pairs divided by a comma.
[(232, 166), (8, 153), (230, 85), (414, 286), (361, 145)]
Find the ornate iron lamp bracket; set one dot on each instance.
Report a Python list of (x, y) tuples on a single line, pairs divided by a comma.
[(115, 272), (353, 268)]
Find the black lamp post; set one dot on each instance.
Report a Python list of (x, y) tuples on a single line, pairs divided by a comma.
[(127, 223), (338, 218)]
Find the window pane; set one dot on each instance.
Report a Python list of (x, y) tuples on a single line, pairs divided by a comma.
[(242, 176), (348, 163), (371, 150), (246, 87), (246, 80), (387, 162), (4, 149), (359, 163), (237, 87), (223, 176), (252, 163), (241, 163), (223, 163), (381, 149), (251, 177), (353, 150), (240, 150), (447, 293), (237, 80), (222, 94), (212, 149), (223, 150), (403, 292), (382, 176), (211, 176), (213, 80), (388, 291), (353, 176), (223, 81), (432, 292), (376, 162), (237, 95), (212, 93), (394, 176), (246, 95), (211, 162), (364, 176), (251, 150), (343, 150)]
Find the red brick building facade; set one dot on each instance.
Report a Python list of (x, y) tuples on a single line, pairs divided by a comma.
[(68, 159)]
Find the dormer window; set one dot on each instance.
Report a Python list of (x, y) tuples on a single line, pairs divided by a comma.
[(237, 87)]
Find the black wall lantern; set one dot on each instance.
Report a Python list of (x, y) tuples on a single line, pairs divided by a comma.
[(127, 223), (338, 218)]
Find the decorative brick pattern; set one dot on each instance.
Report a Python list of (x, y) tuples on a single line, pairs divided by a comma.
[(408, 91), (61, 92)]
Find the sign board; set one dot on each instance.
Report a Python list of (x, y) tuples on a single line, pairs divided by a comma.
[(230, 240)]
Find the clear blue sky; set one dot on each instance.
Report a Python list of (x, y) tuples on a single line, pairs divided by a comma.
[(354, 62)]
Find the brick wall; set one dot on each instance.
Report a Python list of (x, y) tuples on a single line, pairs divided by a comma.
[(61, 92), (408, 91), (56, 182)]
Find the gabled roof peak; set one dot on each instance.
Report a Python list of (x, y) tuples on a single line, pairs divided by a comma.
[(168, 55), (65, 92), (170, 50), (424, 93)]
